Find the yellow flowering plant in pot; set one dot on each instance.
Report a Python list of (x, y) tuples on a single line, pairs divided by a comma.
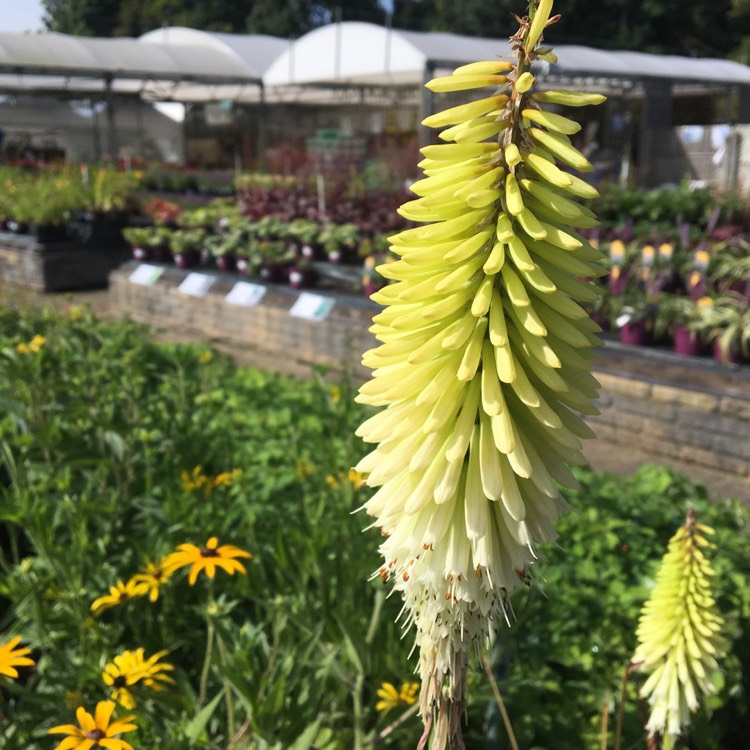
[(483, 365)]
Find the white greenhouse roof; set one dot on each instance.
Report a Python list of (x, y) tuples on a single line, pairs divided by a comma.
[(255, 52), (362, 54), (187, 65), (53, 61)]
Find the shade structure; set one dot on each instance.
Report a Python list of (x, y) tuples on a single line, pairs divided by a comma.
[(191, 65), (363, 54), (160, 62)]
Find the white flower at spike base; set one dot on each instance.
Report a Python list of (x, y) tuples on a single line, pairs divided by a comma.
[(483, 365)]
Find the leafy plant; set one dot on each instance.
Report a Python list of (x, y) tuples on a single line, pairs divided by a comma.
[(98, 425), (186, 240), (731, 324), (138, 236), (675, 310)]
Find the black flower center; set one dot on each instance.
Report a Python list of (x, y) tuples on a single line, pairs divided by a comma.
[(95, 734), (119, 681), (209, 552)]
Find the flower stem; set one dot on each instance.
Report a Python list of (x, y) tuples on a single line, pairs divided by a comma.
[(500, 703), (621, 707), (393, 725), (605, 722), (210, 637), (227, 688)]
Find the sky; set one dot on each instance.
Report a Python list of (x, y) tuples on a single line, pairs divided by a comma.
[(26, 15), (21, 15)]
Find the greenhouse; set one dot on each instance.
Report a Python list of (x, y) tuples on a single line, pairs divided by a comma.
[(248, 93)]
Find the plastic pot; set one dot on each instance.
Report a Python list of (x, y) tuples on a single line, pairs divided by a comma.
[(634, 334), (687, 343)]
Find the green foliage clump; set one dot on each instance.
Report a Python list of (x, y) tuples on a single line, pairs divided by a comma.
[(575, 629), (99, 427)]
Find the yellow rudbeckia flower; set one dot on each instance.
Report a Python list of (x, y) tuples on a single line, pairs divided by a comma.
[(207, 559), (11, 657)]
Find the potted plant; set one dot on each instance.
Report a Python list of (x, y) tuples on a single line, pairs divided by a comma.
[(339, 241), (731, 272), (186, 245), (158, 243), (731, 328), (221, 247), (105, 197), (688, 321), (139, 240), (305, 234), (301, 274), (42, 202), (276, 257), (633, 316)]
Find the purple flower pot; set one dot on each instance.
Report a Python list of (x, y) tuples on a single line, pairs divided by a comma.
[(311, 252), (226, 263), (301, 278), (140, 253), (161, 254), (687, 343), (273, 273), (634, 334), (187, 259), (742, 288), (243, 267), (732, 357)]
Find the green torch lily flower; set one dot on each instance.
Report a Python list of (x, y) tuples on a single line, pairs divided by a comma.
[(483, 365), (679, 633)]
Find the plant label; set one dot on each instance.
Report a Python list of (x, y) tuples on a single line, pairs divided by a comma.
[(246, 294), (311, 307), (146, 274), (196, 284)]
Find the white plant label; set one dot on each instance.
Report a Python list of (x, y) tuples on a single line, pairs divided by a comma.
[(196, 284), (146, 274), (246, 294), (312, 307)]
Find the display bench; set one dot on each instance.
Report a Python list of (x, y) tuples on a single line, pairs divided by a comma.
[(58, 266), (676, 407)]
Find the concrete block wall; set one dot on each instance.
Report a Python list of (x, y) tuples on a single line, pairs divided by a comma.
[(668, 417), (338, 341), (710, 428)]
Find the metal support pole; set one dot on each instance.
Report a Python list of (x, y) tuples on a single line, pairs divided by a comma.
[(111, 128), (428, 104), (655, 130), (262, 129), (96, 137)]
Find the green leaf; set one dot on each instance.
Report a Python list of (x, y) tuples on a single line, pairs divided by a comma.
[(197, 725)]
